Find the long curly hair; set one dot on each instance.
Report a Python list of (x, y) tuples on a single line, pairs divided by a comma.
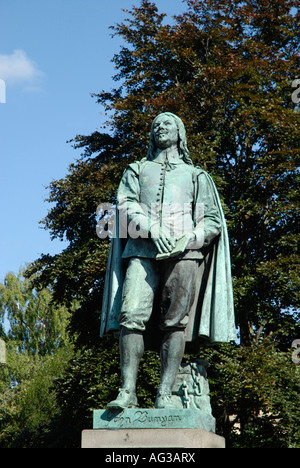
[(182, 141)]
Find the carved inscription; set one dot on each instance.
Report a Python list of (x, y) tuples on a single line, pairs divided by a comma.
[(152, 418), (143, 417)]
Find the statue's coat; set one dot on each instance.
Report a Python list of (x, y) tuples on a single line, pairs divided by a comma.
[(212, 314)]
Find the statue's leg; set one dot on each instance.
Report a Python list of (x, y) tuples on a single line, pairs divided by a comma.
[(177, 297), (137, 302), (172, 350), (131, 351)]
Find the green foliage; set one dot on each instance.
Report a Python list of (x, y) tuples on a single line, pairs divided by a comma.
[(28, 403), (37, 350), (255, 394), (36, 324)]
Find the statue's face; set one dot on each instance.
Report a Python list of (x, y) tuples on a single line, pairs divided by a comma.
[(165, 131)]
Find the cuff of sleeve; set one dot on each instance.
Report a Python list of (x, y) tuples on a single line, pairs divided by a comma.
[(196, 243)]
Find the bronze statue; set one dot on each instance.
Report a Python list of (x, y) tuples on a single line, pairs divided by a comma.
[(169, 275)]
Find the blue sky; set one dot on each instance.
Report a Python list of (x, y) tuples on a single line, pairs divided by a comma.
[(53, 54)]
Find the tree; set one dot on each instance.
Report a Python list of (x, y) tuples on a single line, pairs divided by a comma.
[(36, 325), (226, 67), (37, 350), (255, 395)]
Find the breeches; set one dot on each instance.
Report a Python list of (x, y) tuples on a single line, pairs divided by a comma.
[(172, 281)]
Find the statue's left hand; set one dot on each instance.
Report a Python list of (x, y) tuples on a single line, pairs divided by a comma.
[(163, 242), (191, 236)]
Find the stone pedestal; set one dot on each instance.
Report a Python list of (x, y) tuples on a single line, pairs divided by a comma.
[(152, 428), (151, 438)]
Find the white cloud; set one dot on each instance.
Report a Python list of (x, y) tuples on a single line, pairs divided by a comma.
[(17, 68)]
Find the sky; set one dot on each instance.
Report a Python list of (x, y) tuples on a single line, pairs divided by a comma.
[(53, 55)]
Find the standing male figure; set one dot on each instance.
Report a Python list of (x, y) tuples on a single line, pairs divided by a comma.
[(176, 255)]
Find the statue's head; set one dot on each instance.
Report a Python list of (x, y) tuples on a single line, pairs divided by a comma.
[(180, 136)]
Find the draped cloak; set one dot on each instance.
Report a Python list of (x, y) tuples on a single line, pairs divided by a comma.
[(212, 315)]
